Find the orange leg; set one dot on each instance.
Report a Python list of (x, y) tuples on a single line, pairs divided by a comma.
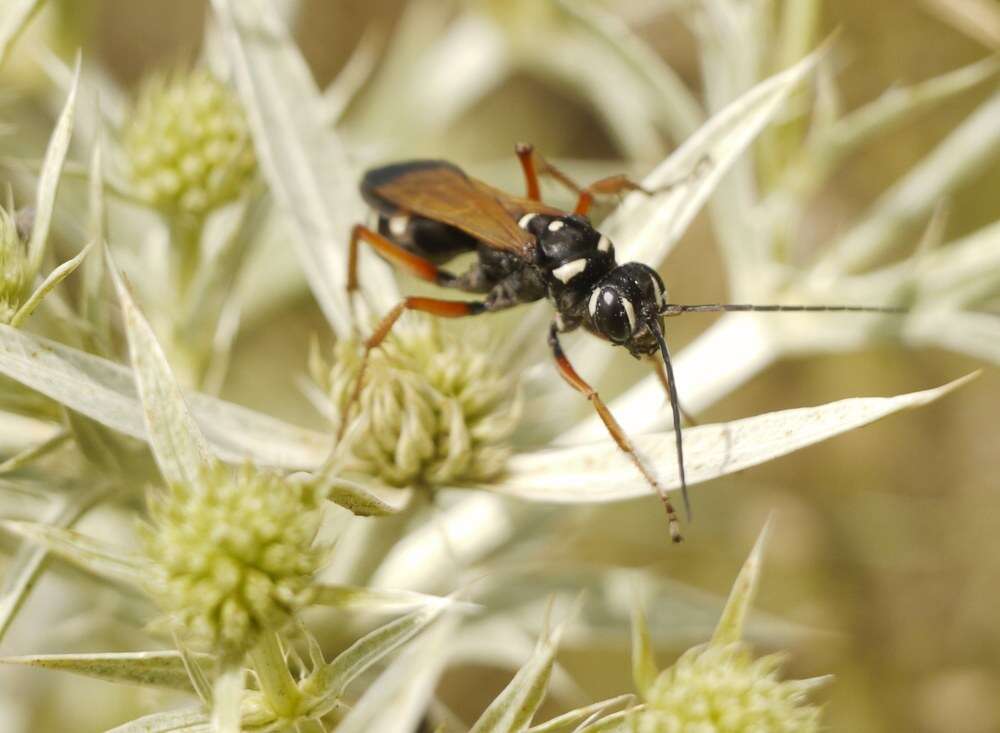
[(434, 306), (526, 154), (412, 263), (577, 382)]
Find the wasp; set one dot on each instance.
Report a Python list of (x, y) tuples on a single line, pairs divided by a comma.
[(430, 211)]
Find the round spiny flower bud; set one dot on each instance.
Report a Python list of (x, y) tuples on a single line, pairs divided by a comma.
[(188, 145), (721, 689), (433, 409), (233, 556), (15, 272)]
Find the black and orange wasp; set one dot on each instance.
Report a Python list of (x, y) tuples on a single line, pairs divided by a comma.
[(430, 211)]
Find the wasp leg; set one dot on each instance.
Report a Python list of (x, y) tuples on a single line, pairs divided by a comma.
[(661, 374), (577, 382), (434, 306), (527, 156), (412, 263)]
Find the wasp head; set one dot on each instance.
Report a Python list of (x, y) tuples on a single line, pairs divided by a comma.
[(624, 303)]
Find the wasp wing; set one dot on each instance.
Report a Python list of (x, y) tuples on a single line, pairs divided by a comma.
[(438, 190)]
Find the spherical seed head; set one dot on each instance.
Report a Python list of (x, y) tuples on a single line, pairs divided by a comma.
[(434, 409), (721, 689), (188, 144), (15, 272), (233, 556)]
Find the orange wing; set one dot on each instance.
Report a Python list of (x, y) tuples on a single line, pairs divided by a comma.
[(444, 193)]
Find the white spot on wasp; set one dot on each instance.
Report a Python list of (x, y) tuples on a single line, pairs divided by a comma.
[(398, 225), (560, 324), (556, 226), (604, 244), (592, 305), (630, 314), (525, 220), (565, 273)]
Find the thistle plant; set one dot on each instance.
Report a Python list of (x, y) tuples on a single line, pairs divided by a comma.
[(254, 560), (433, 410)]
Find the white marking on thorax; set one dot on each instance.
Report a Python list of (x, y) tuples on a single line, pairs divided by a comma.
[(525, 220), (604, 244), (556, 226), (560, 325), (592, 305), (630, 314), (565, 273), (398, 225)]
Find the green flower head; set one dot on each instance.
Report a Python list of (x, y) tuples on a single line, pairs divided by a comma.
[(722, 689), (233, 556), (433, 409), (188, 144), (15, 272)]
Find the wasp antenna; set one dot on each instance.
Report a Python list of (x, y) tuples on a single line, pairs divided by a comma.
[(675, 309), (654, 326)]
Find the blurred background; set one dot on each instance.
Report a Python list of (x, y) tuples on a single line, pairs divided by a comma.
[(884, 540)]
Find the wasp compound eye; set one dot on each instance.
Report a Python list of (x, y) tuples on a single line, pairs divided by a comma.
[(612, 314)]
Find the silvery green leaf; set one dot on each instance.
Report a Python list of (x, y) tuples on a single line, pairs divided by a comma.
[(600, 472), (333, 678), (227, 696), (644, 669), (181, 451), (978, 19), (31, 454), (24, 569), (674, 102), (48, 180), (366, 500), (55, 277), (106, 393), (20, 432), (153, 669), (646, 228), (514, 708), (398, 698), (957, 159), (734, 615), (88, 553), (15, 18), (579, 716), (360, 599), (188, 720), (975, 334), (303, 161), (894, 107)]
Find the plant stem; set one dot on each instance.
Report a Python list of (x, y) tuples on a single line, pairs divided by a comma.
[(276, 680)]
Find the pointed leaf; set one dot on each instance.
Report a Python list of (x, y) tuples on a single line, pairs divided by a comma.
[(23, 571), (367, 501), (151, 669), (90, 554), (106, 393), (644, 670), (734, 615), (600, 472), (304, 163), (379, 600), (338, 674), (189, 720), (15, 18), (180, 449), (578, 716), (646, 228), (399, 697), (48, 181), (55, 277), (514, 708), (29, 455)]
